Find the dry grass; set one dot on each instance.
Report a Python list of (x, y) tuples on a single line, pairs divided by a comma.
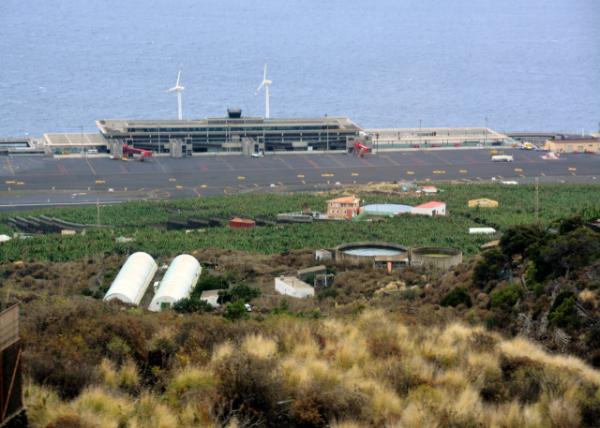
[(368, 370)]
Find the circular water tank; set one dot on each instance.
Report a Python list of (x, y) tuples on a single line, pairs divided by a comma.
[(133, 279), (361, 252), (178, 282)]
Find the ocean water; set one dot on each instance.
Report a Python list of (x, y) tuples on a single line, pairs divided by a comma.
[(522, 64)]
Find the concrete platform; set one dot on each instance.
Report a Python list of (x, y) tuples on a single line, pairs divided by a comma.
[(40, 181)]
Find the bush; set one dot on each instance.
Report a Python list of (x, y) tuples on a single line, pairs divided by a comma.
[(563, 312), (209, 282), (507, 296), (457, 296), (490, 267), (192, 305), (239, 292), (236, 311), (520, 239)]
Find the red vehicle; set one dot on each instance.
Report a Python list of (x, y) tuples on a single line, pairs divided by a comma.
[(141, 154), (360, 149)]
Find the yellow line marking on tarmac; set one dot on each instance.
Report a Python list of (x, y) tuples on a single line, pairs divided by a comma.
[(196, 192), (572, 168), (327, 174), (518, 169), (204, 186), (100, 181), (439, 171), (355, 174), (172, 179), (241, 177), (10, 181), (463, 171), (10, 167), (90, 165), (410, 173), (179, 186), (300, 176), (20, 183)]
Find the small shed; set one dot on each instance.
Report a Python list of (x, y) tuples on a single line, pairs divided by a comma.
[(481, 230), (290, 286), (483, 203), (211, 297), (432, 208), (321, 255), (241, 223), (429, 189)]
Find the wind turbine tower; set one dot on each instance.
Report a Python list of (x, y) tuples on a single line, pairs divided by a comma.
[(266, 83), (178, 89)]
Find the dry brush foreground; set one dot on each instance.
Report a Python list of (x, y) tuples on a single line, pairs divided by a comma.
[(371, 369)]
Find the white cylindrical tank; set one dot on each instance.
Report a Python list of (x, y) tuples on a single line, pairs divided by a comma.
[(133, 279), (178, 282)]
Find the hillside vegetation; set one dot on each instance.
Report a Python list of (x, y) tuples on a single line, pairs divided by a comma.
[(371, 369)]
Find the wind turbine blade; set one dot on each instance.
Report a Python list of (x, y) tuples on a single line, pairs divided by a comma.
[(265, 73), (178, 77), (260, 86)]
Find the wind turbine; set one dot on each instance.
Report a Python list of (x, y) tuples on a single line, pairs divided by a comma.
[(266, 83), (178, 89)]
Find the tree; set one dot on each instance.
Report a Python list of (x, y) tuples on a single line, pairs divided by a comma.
[(521, 239), (236, 310)]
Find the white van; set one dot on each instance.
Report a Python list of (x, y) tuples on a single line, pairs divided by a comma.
[(502, 158)]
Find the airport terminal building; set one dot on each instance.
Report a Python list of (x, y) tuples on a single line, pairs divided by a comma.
[(233, 133)]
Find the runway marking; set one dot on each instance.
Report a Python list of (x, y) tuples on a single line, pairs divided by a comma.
[(410, 173), (196, 192), (391, 160), (542, 174), (241, 177), (10, 182), (463, 171), (441, 158), (20, 183), (300, 176), (203, 186), (518, 169), (327, 174), (100, 181), (161, 166), (179, 186), (312, 162), (572, 168), (90, 165), (367, 162), (10, 167), (355, 174), (439, 171), (172, 179), (227, 164), (336, 161)]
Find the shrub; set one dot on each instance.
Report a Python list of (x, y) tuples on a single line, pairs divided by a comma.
[(490, 267), (507, 296), (520, 239), (236, 310), (563, 312), (192, 305), (209, 282), (457, 296), (239, 292)]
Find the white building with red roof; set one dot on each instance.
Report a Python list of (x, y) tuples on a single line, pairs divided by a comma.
[(431, 208)]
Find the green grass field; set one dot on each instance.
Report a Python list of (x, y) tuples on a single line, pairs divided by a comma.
[(145, 221)]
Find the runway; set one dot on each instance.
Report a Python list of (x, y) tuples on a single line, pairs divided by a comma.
[(43, 181)]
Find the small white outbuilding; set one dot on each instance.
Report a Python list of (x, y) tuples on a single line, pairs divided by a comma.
[(178, 282), (481, 230), (133, 279), (291, 286)]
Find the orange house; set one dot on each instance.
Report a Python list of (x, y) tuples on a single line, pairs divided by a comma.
[(343, 208)]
